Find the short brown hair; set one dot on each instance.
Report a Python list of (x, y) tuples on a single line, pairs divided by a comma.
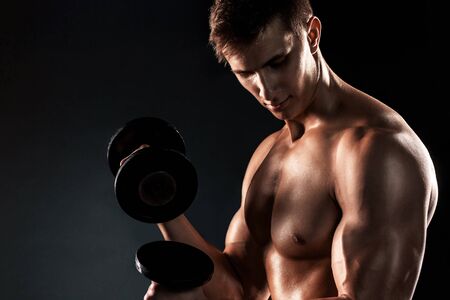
[(238, 22)]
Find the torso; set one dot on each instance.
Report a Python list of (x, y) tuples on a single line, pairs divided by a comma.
[(290, 208)]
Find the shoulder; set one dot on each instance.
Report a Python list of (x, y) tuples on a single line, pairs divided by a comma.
[(382, 136), (386, 165), (382, 147), (259, 155), (265, 145), (238, 235)]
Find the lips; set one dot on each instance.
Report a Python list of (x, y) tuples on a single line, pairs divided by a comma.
[(275, 105)]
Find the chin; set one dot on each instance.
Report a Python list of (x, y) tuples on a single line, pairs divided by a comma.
[(285, 115), (282, 116), (288, 113)]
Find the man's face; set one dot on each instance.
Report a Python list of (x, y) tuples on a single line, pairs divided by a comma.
[(278, 69)]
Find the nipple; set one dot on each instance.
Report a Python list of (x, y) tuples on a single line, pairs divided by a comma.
[(298, 239)]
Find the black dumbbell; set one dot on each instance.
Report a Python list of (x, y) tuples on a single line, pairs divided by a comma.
[(176, 266), (154, 183)]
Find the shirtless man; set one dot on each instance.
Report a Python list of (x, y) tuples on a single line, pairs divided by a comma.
[(336, 204)]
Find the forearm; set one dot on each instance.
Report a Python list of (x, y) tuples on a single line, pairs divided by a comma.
[(224, 280), (181, 230)]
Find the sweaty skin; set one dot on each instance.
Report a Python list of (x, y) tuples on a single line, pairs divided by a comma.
[(335, 205)]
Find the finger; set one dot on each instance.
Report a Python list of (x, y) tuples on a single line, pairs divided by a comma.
[(151, 291), (128, 156)]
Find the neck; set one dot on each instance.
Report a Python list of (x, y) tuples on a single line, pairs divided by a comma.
[(324, 101)]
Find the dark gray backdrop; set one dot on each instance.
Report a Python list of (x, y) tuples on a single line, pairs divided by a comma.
[(72, 72)]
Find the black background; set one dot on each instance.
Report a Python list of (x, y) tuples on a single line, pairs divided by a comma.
[(72, 72)]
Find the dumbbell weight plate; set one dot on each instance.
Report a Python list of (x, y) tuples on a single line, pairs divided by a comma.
[(174, 265), (156, 185), (152, 131)]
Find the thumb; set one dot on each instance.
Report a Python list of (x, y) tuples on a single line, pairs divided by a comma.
[(151, 291)]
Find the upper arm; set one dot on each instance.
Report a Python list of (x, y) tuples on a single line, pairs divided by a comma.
[(242, 251), (383, 186), (246, 257)]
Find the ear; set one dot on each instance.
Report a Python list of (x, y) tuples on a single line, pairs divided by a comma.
[(314, 30)]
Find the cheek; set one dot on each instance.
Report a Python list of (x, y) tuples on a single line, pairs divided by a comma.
[(289, 79)]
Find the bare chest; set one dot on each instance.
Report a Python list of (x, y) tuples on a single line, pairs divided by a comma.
[(289, 205)]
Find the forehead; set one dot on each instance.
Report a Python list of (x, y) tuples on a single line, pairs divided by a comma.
[(275, 39)]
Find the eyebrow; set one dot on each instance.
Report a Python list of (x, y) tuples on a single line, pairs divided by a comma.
[(267, 63)]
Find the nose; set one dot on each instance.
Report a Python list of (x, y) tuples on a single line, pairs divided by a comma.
[(266, 86)]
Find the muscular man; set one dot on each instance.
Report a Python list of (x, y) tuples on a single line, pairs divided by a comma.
[(336, 204)]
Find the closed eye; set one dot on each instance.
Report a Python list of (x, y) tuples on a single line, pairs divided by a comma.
[(243, 74), (278, 62)]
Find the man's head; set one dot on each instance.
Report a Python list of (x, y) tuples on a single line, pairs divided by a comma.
[(272, 48), (235, 23)]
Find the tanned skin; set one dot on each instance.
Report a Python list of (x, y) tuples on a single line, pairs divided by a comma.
[(335, 205)]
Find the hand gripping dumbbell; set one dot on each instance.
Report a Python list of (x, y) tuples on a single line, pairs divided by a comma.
[(154, 183)]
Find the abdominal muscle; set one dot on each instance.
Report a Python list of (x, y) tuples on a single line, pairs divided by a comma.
[(298, 279)]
